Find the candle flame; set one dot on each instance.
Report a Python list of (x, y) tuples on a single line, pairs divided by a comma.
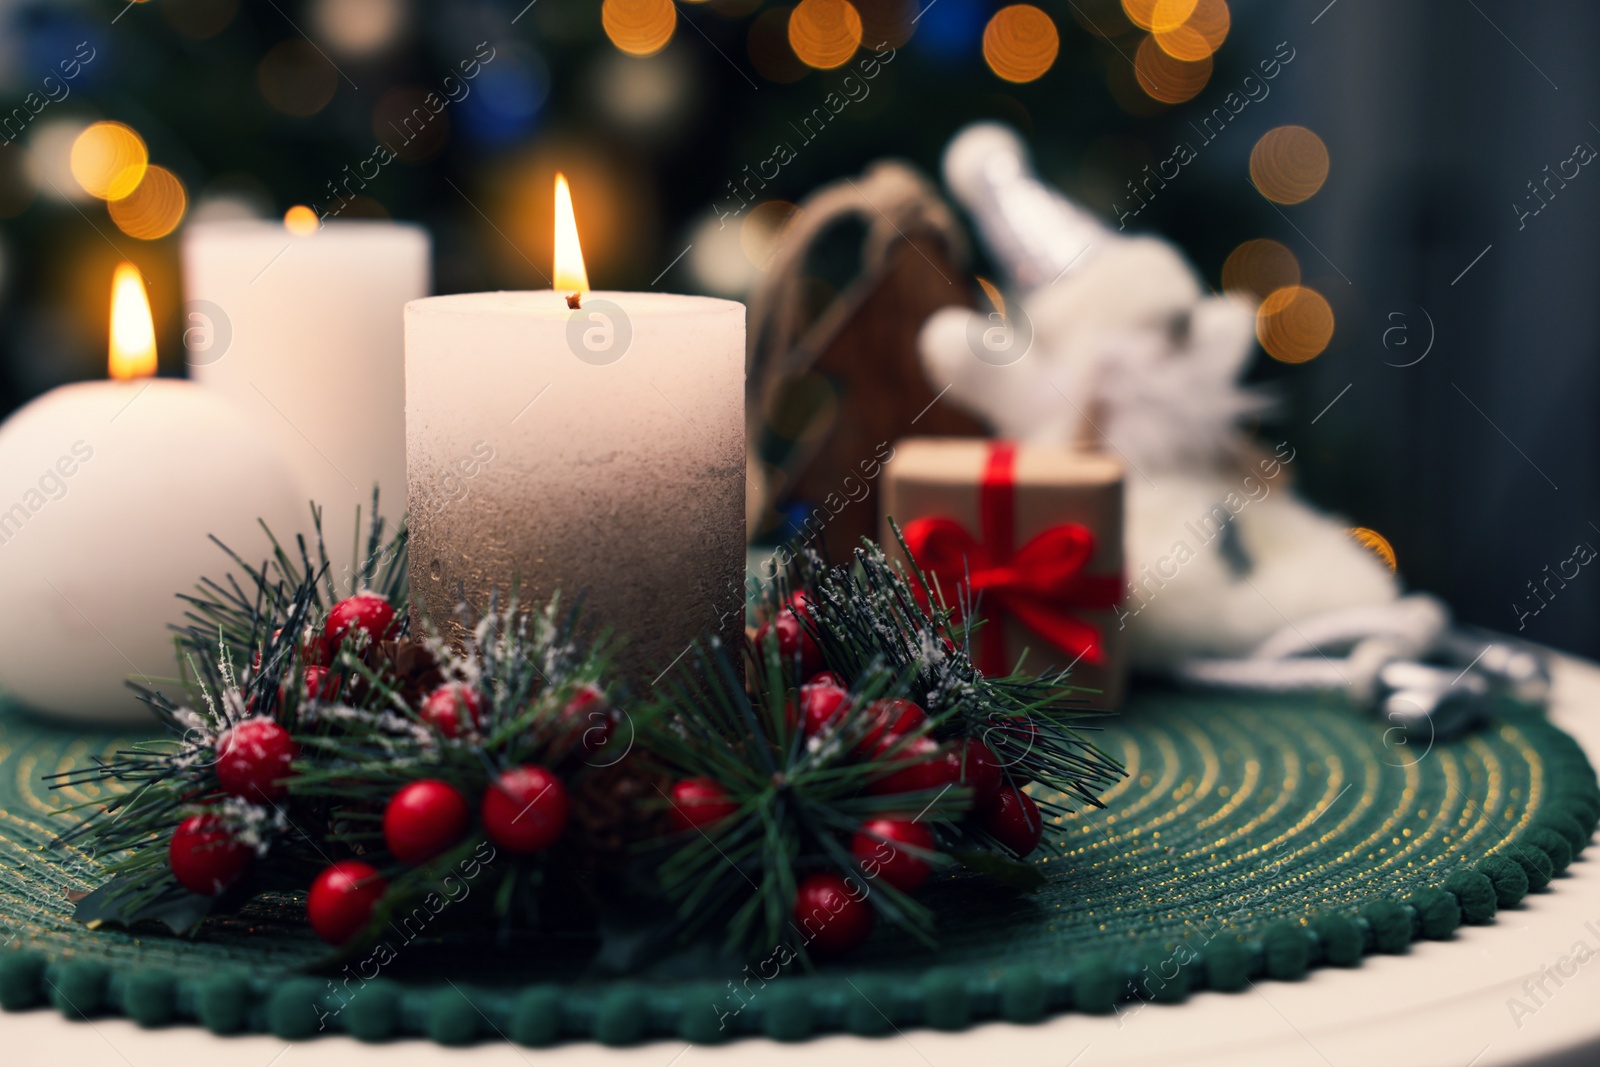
[(133, 333), (301, 221), (570, 275), (996, 297)]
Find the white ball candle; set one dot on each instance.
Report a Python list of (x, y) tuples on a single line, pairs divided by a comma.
[(594, 449), (302, 330), (109, 492)]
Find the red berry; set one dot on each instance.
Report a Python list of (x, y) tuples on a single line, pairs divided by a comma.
[(888, 720), (424, 819), (317, 685), (204, 856), (981, 772), (253, 760), (587, 719), (315, 650), (1013, 820), (699, 802), (821, 707), (525, 810), (794, 641), (341, 900), (448, 706), (364, 613), (923, 766), (799, 603), (872, 848), (833, 913), (827, 678)]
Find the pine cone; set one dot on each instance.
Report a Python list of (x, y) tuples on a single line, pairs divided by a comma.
[(619, 806), (409, 664)]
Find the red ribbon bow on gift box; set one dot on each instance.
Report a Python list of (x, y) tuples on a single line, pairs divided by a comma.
[(1039, 584)]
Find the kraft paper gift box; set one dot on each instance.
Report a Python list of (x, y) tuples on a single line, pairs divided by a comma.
[(1039, 530)]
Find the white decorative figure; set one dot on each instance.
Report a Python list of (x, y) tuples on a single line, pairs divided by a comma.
[(1113, 340)]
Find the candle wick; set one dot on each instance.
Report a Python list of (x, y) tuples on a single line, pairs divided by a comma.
[(574, 301)]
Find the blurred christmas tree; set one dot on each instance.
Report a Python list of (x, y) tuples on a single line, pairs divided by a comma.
[(688, 130)]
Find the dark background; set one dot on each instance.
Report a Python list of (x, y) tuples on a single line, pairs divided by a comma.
[(1477, 463)]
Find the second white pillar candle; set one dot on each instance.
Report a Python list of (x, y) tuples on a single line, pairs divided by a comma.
[(303, 333)]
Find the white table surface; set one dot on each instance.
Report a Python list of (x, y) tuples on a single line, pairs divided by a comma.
[(1444, 1003)]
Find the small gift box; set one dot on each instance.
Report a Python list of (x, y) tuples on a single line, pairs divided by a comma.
[(1033, 537)]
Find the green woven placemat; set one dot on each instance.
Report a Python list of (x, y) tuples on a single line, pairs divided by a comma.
[(1254, 836)]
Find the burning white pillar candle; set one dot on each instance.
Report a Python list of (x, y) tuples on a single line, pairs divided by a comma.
[(107, 492), (596, 448), (302, 330)]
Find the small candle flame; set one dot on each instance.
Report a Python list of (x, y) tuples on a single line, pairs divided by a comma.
[(133, 333), (301, 221), (570, 277), (996, 297)]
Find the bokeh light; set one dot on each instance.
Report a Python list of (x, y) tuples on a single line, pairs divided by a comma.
[(648, 97), (1289, 164), (1259, 267), (296, 78), (1142, 13), (768, 44), (1199, 35), (1166, 78), (1020, 43), (109, 160), (716, 259), (639, 27), (1168, 15), (49, 164), (1294, 324), (509, 95), (1378, 543), (300, 221), (824, 33), (154, 208), (358, 27)]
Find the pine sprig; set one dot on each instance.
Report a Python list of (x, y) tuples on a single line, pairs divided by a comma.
[(801, 793), (244, 655), (541, 699), (879, 615), (244, 617), (797, 798)]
